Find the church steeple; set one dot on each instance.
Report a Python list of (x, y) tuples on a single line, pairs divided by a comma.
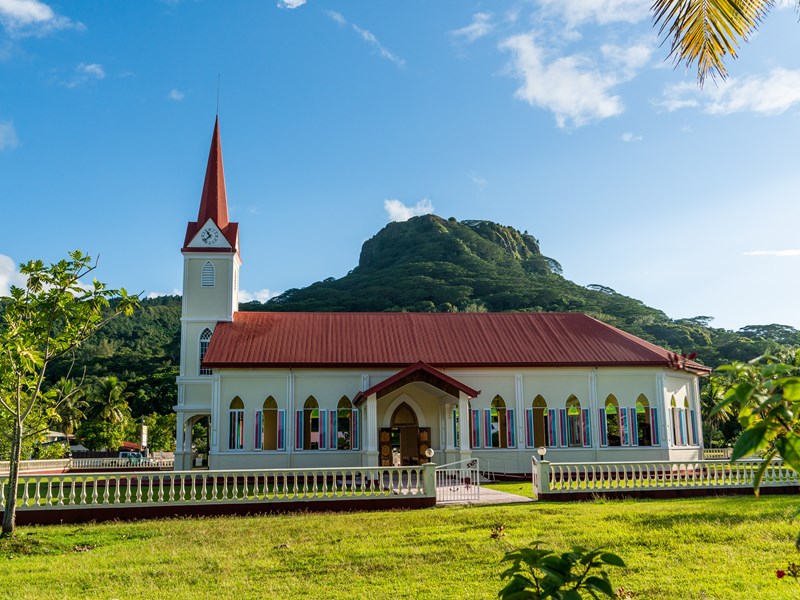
[(213, 207), (214, 202)]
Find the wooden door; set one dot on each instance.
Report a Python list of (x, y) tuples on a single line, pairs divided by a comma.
[(386, 446), (423, 443)]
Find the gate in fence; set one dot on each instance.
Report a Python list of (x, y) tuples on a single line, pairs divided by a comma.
[(458, 482)]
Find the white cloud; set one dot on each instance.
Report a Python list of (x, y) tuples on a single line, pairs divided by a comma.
[(789, 252), (571, 87), (337, 17), (8, 135), (368, 37), (22, 18), (176, 94), (602, 12), (770, 94), (477, 179), (480, 26), (629, 136), (397, 211), (174, 292), (84, 73), (290, 3), (630, 58), (9, 275), (259, 295)]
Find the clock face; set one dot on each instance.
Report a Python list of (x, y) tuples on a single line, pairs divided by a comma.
[(209, 236)]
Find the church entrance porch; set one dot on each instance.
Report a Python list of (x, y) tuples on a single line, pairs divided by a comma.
[(405, 442), (413, 412)]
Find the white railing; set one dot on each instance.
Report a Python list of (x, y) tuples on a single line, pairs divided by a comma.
[(108, 490), (81, 464), (717, 453), (28, 466), (565, 477), (458, 481)]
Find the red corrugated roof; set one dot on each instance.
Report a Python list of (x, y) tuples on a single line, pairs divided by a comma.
[(265, 339)]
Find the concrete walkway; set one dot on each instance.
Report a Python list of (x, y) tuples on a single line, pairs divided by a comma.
[(487, 496)]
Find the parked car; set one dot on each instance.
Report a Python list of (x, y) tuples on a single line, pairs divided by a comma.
[(135, 458)]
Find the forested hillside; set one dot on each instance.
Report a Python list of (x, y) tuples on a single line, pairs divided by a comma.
[(424, 264)]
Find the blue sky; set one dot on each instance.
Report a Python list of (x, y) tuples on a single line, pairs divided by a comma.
[(559, 117)]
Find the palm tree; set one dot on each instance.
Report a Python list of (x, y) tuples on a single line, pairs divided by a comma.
[(70, 405), (110, 401), (707, 31)]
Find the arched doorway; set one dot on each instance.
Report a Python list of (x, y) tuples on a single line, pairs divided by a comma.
[(405, 442)]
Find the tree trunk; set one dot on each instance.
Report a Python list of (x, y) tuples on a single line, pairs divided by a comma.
[(10, 509)]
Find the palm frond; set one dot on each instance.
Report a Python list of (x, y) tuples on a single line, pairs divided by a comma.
[(705, 32)]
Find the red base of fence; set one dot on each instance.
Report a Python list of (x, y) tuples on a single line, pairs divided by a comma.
[(667, 493), (136, 513)]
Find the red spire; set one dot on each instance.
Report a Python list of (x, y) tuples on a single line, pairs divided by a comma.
[(214, 202)]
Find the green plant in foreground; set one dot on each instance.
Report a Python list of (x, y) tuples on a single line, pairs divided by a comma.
[(538, 573)]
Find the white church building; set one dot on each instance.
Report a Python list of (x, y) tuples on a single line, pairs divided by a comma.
[(281, 389)]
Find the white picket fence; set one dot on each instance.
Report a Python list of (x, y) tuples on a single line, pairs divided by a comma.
[(563, 477), (116, 490), (458, 482)]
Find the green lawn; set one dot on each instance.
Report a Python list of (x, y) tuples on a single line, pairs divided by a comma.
[(722, 548)]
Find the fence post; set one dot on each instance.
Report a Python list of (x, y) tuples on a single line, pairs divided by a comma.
[(429, 479), (544, 476)]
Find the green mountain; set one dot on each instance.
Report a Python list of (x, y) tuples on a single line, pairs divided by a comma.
[(424, 264), (432, 264)]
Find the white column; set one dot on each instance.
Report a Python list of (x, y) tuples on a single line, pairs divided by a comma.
[(520, 393), (463, 426), (371, 422), (180, 428), (290, 417), (214, 420), (666, 414), (594, 418)]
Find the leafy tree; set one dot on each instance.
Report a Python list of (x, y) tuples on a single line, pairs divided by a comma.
[(161, 432), (70, 405), (766, 392), (42, 322), (705, 32)]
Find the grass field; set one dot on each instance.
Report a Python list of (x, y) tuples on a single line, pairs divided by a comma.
[(710, 548)]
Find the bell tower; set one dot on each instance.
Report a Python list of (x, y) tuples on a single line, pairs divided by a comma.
[(211, 264)]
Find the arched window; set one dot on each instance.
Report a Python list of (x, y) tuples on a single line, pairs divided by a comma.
[(575, 423), (344, 426), (613, 430), (310, 425), (539, 424), (689, 423), (205, 339), (497, 423), (270, 426), (644, 421), (208, 275), (236, 424)]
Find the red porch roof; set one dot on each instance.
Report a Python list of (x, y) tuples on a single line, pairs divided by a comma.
[(416, 373), (396, 340)]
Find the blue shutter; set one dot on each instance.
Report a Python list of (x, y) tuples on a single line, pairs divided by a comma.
[(298, 430), (586, 428), (529, 425), (634, 427), (487, 427), (323, 429), (511, 428), (562, 427), (694, 427), (333, 422), (258, 436), (654, 427), (355, 430), (601, 419), (281, 430), (475, 428), (623, 426)]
